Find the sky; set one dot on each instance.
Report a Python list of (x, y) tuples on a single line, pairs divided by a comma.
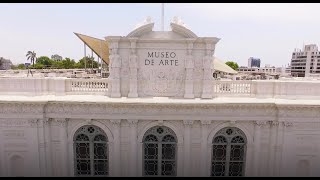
[(269, 31)]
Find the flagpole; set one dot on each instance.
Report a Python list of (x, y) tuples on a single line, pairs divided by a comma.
[(162, 17)]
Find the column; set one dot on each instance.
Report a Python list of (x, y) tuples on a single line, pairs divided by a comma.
[(257, 140), (35, 169), (42, 153), (133, 61), (272, 147), (207, 64), (115, 66), (287, 159), (278, 150), (134, 147), (189, 63), (47, 142), (204, 147), (63, 124), (116, 156), (187, 147)]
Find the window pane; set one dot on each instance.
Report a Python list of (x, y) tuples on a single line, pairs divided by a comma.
[(237, 139), (168, 138), (100, 151), (83, 167), (150, 167), (82, 150), (100, 167), (219, 152), (151, 138), (220, 139), (237, 152), (235, 168), (218, 169), (82, 137), (168, 168), (150, 151), (100, 138), (168, 151)]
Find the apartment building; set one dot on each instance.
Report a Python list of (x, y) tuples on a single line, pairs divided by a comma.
[(305, 62), (254, 62)]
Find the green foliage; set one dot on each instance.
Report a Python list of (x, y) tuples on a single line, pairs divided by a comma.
[(44, 62), (68, 63), (21, 66), (90, 62), (37, 66), (57, 65), (233, 65)]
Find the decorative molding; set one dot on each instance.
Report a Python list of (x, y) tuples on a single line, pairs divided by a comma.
[(46, 121), (287, 124), (205, 122), (232, 123), (260, 123), (115, 122), (188, 122), (133, 122), (233, 112), (33, 122), (274, 123), (160, 122), (89, 121), (62, 122), (22, 107)]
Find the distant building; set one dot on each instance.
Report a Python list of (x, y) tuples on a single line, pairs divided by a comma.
[(305, 62), (56, 57), (5, 64), (254, 62), (258, 70)]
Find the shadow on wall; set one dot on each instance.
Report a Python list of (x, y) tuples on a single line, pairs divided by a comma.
[(16, 166), (303, 168)]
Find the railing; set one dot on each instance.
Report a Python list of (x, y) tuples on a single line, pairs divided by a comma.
[(284, 89), (86, 85), (233, 88), (52, 86)]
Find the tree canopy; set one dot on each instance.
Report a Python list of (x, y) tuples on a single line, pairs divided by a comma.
[(233, 65), (45, 62)]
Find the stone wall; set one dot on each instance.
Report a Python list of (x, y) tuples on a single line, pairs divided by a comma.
[(36, 139)]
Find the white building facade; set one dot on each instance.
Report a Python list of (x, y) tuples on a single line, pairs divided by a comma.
[(305, 63), (160, 113)]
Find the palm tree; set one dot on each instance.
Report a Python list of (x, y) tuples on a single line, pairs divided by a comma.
[(1, 61), (32, 56)]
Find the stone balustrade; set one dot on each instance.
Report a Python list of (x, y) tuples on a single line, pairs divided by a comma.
[(52, 86), (284, 89)]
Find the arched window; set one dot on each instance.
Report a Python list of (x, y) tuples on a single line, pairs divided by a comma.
[(160, 152), (228, 153), (91, 152)]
